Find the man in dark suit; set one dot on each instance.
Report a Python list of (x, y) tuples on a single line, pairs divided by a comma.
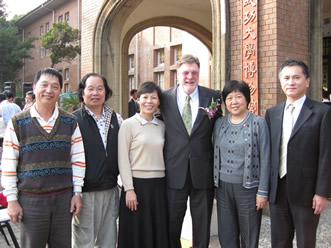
[(133, 105), (188, 152), (300, 160)]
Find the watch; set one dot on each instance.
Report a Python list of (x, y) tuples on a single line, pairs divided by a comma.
[(79, 193)]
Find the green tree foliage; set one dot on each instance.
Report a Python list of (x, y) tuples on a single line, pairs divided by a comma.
[(12, 50), (63, 42), (71, 102), (2, 9)]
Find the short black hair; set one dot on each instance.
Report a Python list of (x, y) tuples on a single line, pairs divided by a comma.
[(8, 94), (293, 62), (235, 85), (149, 87), (50, 71), (133, 91), (82, 85), (325, 94)]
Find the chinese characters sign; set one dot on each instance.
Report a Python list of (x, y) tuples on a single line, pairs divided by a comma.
[(249, 50)]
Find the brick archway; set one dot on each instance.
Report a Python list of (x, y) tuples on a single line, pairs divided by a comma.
[(118, 21), (195, 29)]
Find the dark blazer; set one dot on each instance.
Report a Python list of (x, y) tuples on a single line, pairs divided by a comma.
[(133, 107), (308, 154), (181, 148)]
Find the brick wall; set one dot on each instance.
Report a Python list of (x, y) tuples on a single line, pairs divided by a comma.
[(152, 39), (283, 34), (90, 10), (34, 65)]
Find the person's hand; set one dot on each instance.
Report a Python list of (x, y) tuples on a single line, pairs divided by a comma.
[(15, 211), (131, 200), (76, 205), (260, 202), (319, 204)]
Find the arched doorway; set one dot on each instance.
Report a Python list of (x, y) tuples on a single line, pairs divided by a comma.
[(193, 28), (118, 22)]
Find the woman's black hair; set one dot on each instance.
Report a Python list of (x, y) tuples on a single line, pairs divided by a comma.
[(82, 85), (235, 85), (149, 87)]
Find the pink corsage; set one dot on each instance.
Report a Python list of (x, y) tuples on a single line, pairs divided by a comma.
[(212, 109)]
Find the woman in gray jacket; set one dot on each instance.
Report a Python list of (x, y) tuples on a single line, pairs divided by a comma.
[(241, 169)]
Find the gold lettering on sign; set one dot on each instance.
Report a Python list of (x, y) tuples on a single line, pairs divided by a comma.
[(249, 35), (247, 2), (249, 16), (249, 32), (250, 69), (249, 50)]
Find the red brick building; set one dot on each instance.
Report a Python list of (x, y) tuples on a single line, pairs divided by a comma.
[(37, 23), (282, 29), (153, 54)]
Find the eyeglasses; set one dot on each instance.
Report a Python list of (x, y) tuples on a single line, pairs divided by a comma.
[(193, 73)]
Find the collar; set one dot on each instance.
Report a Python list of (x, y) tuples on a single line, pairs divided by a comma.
[(181, 94), (297, 103), (90, 112), (34, 112), (144, 122)]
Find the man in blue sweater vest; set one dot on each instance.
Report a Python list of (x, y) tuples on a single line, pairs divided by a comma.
[(43, 167)]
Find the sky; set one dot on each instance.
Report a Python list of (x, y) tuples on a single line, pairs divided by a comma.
[(19, 7)]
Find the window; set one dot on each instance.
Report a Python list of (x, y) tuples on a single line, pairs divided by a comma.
[(66, 88), (160, 79), (60, 19), (66, 74), (173, 80), (47, 52), (41, 30), (47, 27), (42, 52), (160, 57), (131, 62), (177, 53), (66, 16), (132, 84)]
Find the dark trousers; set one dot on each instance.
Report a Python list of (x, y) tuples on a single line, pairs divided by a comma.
[(287, 218), (46, 220), (201, 202), (238, 220)]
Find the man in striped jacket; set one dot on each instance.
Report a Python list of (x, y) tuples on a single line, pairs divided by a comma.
[(43, 167)]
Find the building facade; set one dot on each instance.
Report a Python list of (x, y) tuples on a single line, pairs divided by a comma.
[(38, 22), (154, 52), (282, 29)]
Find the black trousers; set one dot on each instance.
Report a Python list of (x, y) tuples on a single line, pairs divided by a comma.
[(287, 218), (201, 203)]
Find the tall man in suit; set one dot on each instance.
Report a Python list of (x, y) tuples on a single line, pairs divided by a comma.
[(188, 152), (300, 160)]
